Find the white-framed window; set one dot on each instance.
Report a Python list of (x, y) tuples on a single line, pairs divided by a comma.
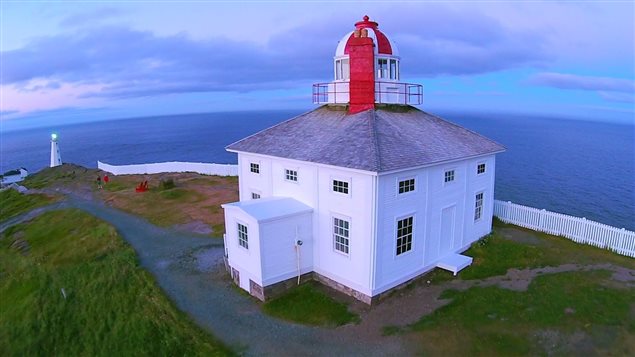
[(393, 69), (478, 206), (243, 238), (382, 68), (404, 235), (406, 185), (480, 168), (340, 186), (255, 196), (341, 234), (254, 167), (449, 176), (342, 69), (291, 175), (346, 69)]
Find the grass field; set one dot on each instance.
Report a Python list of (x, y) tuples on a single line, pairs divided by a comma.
[(111, 307), (556, 311), (495, 254), (194, 198), (13, 203), (68, 175), (571, 313), (306, 304)]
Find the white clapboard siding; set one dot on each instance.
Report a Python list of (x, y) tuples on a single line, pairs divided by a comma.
[(175, 166), (580, 230)]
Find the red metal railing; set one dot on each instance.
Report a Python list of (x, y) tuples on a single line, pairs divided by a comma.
[(385, 92)]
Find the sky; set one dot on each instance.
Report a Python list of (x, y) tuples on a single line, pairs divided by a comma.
[(73, 61)]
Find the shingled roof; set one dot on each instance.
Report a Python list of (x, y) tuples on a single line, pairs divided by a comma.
[(384, 139)]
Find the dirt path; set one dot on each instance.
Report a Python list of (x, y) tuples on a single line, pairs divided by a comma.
[(189, 269)]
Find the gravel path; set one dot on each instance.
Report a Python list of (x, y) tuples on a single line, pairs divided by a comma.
[(189, 268)]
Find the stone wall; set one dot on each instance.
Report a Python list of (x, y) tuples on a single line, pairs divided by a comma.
[(343, 288), (277, 289)]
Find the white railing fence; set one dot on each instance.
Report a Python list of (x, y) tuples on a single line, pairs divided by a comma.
[(579, 230), (174, 166)]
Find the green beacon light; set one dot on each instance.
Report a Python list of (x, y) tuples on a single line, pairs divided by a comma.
[(54, 136)]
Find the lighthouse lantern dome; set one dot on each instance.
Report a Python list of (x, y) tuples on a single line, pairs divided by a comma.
[(366, 72), (385, 50)]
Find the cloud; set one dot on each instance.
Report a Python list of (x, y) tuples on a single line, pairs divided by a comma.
[(591, 83), (128, 62), (123, 62), (447, 41), (91, 17), (40, 86), (618, 97), (6, 113)]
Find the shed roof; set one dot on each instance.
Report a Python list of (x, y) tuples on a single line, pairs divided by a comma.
[(13, 172), (271, 208), (384, 139)]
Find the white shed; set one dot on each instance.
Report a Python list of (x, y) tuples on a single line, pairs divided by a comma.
[(270, 241), (12, 176)]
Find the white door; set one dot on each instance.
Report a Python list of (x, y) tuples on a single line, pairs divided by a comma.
[(447, 230)]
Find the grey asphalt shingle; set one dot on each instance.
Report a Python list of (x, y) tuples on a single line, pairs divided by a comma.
[(379, 140)]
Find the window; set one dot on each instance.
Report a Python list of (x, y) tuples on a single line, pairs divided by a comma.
[(406, 185), (243, 240), (346, 69), (404, 235), (393, 69), (480, 169), (342, 69), (449, 176), (340, 186), (291, 175), (478, 208), (255, 168), (340, 235), (255, 196), (382, 68)]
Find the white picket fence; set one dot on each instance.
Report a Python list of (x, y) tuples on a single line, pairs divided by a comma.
[(579, 230), (174, 166)]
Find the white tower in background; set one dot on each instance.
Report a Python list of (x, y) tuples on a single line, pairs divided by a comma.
[(56, 158)]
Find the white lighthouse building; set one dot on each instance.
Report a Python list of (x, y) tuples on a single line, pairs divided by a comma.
[(364, 193), (56, 158)]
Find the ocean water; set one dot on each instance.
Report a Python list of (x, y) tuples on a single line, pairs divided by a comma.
[(581, 168)]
